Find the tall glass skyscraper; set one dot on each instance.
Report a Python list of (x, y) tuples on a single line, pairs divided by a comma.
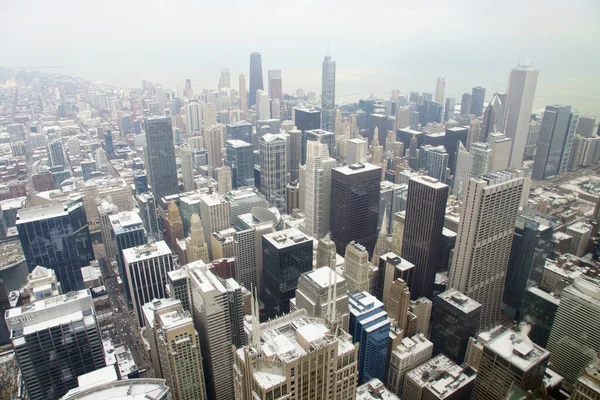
[(328, 95), (256, 77), (57, 236), (160, 157), (240, 157), (477, 99)]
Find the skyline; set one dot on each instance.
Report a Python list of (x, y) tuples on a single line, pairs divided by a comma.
[(409, 48)]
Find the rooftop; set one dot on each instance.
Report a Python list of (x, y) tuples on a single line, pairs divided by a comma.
[(459, 300), (516, 348), (356, 168), (286, 238), (214, 199), (46, 211), (130, 389), (374, 390), (236, 143), (145, 252), (411, 345), (321, 276), (429, 181), (125, 221)]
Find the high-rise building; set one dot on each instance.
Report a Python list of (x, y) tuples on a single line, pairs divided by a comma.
[(147, 268), (315, 189), (178, 287), (356, 267), (317, 292), (126, 231), (285, 255), (449, 109), (326, 255), (354, 205), (440, 90), (173, 225), (508, 359), (187, 169), (492, 117), (147, 210), (306, 119), (160, 157), (240, 157), (391, 267), (178, 348), (585, 126), (263, 105), (434, 160), (256, 77), (410, 353), (56, 154), (213, 142), (486, 235), (318, 135), (574, 339), (477, 99), (522, 82), (196, 247), (224, 179), (356, 151), (193, 117), (397, 303), (275, 84), (501, 148), (55, 340), (209, 115), (454, 319), (243, 93), (465, 104), (218, 312), (328, 95), (425, 211), (274, 168), (215, 214), (290, 343), (56, 236), (553, 148), (369, 326)]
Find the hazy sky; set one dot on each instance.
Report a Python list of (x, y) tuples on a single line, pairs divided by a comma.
[(378, 45)]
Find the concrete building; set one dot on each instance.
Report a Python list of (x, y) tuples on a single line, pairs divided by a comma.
[(356, 267), (374, 390), (196, 247), (215, 212), (187, 169), (126, 231), (42, 284), (501, 147), (160, 157), (242, 201), (274, 168), (410, 353), (488, 236), (587, 386), (581, 233), (356, 151)]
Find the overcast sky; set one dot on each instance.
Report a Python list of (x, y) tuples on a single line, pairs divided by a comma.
[(378, 45)]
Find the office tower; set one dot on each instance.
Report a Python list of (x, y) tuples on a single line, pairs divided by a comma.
[(555, 141), (374, 390), (390, 268), (196, 247), (439, 378), (193, 117), (356, 151), (242, 201), (440, 90), (486, 235), (532, 243), (328, 95), (421, 309), (402, 118), (356, 267), (449, 109), (588, 384), (275, 84), (410, 353), (581, 233), (315, 184), (240, 156), (256, 77), (56, 236), (492, 117), (465, 104), (382, 246), (501, 148), (326, 255), (480, 159), (354, 205), (477, 99), (318, 135), (290, 343), (225, 79), (369, 326), (398, 301), (317, 292), (430, 112), (147, 209), (245, 257), (178, 348), (425, 211), (55, 340), (274, 164), (160, 157), (178, 287), (173, 225), (585, 126), (243, 93), (295, 152), (147, 268), (285, 255), (214, 213), (276, 109), (263, 105), (575, 339), (454, 319), (306, 119), (398, 233), (434, 160), (187, 169), (517, 110), (209, 115), (126, 231), (56, 154), (105, 210), (224, 184), (508, 358), (218, 312), (213, 143)]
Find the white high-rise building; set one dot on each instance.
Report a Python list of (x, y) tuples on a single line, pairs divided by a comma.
[(500, 146), (209, 114), (224, 179), (193, 117), (402, 117), (263, 105), (480, 159), (315, 189), (410, 353), (187, 169), (214, 213), (356, 268), (484, 240), (356, 151), (522, 82), (440, 90), (213, 141), (274, 168)]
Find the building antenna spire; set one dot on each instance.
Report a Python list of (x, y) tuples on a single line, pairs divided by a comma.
[(328, 48)]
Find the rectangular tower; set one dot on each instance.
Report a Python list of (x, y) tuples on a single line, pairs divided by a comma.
[(160, 157)]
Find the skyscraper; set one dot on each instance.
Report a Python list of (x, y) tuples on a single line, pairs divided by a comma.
[(240, 157), (215, 214), (147, 268), (369, 326), (480, 159), (555, 141), (356, 267), (484, 241), (196, 247), (440, 90), (517, 110), (465, 104), (275, 84), (160, 157), (55, 340), (410, 353), (449, 109), (193, 117), (425, 211), (56, 236), (501, 148), (434, 160), (274, 171), (256, 77), (492, 117), (477, 99), (328, 95), (187, 169), (354, 205), (243, 93), (56, 154), (315, 189), (213, 142), (585, 126), (286, 254), (263, 105), (306, 119)]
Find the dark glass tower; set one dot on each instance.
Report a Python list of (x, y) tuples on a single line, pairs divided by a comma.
[(425, 212), (477, 98), (57, 236), (328, 95), (240, 157), (306, 119), (160, 157), (256, 77), (354, 205)]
